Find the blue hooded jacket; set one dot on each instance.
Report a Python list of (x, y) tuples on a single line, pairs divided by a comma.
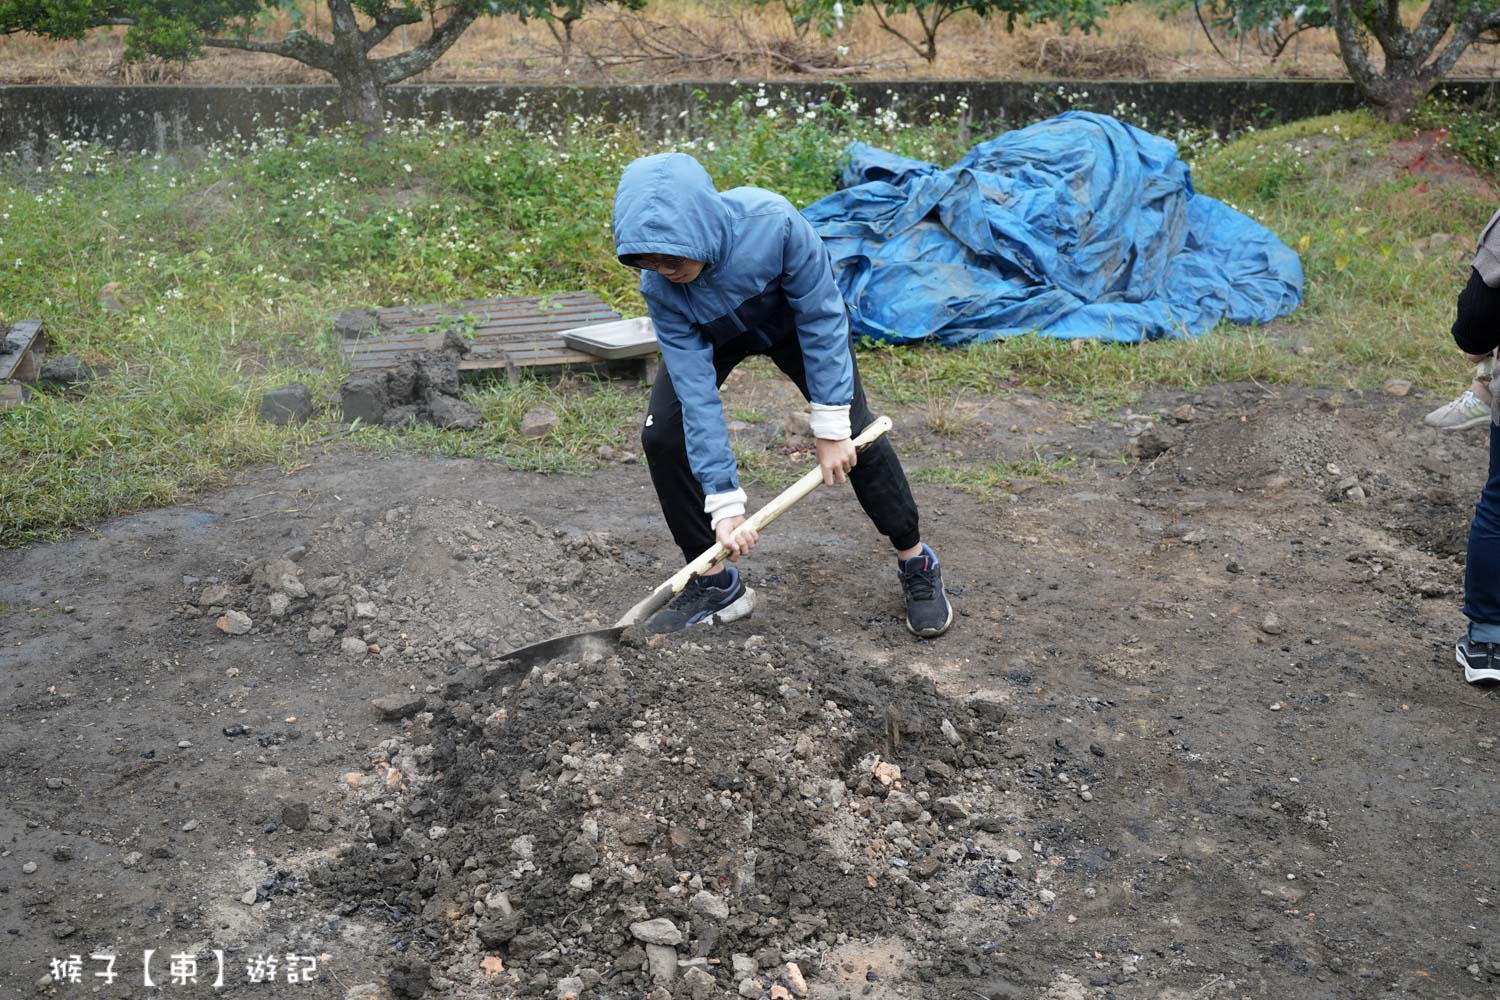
[(767, 277)]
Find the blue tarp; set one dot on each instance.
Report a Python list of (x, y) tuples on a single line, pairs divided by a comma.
[(1078, 226)]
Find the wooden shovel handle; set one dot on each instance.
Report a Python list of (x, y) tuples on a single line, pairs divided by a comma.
[(784, 502)]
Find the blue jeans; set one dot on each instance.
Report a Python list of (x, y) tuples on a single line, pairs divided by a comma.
[(1482, 568)]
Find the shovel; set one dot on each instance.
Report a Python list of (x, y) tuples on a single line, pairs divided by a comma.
[(602, 639)]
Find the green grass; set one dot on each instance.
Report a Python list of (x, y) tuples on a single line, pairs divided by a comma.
[(990, 480), (230, 261)]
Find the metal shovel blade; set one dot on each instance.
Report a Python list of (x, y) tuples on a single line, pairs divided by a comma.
[(573, 646), (578, 644)]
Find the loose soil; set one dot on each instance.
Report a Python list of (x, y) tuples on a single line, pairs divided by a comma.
[(1197, 731)]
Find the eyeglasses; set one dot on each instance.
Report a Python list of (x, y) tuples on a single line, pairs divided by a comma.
[(658, 263)]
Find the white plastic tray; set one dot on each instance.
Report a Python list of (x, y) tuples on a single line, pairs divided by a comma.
[(624, 338)]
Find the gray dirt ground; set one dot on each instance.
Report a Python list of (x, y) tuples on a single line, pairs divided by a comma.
[(1207, 736)]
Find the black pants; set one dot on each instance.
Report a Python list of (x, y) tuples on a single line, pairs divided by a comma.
[(878, 479)]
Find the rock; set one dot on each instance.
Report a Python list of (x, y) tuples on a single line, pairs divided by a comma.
[(367, 991), (29, 868), (352, 324), (218, 594), (190, 826), (1152, 442), (569, 987), (902, 806), (779, 992), (798, 423), (1185, 413), (1271, 623), (659, 931), (365, 609), (529, 943), (582, 882), (295, 815), (1047, 896), (743, 966), (1012, 856), (435, 373), (580, 856), (290, 404), (351, 646), (394, 707), (950, 807), (365, 397), (661, 960), (710, 906), (700, 984), (250, 896), (279, 605), (452, 414), (1397, 386), (497, 929), (795, 981), (1196, 537), (132, 859), (951, 734), (750, 987), (66, 373), (410, 978), (234, 623), (62, 853), (405, 415), (54, 784), (539, 422)]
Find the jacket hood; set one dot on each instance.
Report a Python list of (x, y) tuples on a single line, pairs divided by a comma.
[(667, 204)]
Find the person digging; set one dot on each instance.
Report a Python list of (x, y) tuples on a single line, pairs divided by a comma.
[(726, 276)]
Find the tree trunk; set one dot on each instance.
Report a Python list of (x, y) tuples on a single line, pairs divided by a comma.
[(361, 93), (1416, 61), (362, 97)]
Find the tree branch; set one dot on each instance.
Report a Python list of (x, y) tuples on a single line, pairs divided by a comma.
[(1355, 58), (387, 22), (886, 25), (296, 45), (394, 69)]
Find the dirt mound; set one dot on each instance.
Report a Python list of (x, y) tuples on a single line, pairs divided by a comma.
[(691, 817), (446, 581)]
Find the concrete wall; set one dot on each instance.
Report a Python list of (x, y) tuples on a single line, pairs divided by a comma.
[(164, 118)]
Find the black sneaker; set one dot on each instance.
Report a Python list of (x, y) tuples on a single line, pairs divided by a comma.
[(928, 613), (1480, 660), (702, 603)]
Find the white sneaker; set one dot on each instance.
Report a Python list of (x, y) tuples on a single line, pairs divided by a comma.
[(1464, 412)]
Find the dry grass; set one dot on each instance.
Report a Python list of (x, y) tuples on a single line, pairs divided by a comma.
[(1085, 57), (694, 39)]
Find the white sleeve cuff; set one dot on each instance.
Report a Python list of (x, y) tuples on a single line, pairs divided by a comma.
[(718, 506), (831, 423)]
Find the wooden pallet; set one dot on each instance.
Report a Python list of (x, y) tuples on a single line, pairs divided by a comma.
[(511, 334), (22, 361)]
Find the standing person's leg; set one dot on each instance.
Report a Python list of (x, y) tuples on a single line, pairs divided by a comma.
[(1472, 407), (1479, 651), (664, 442), (880, 485), (721, 597), (879, 481)]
